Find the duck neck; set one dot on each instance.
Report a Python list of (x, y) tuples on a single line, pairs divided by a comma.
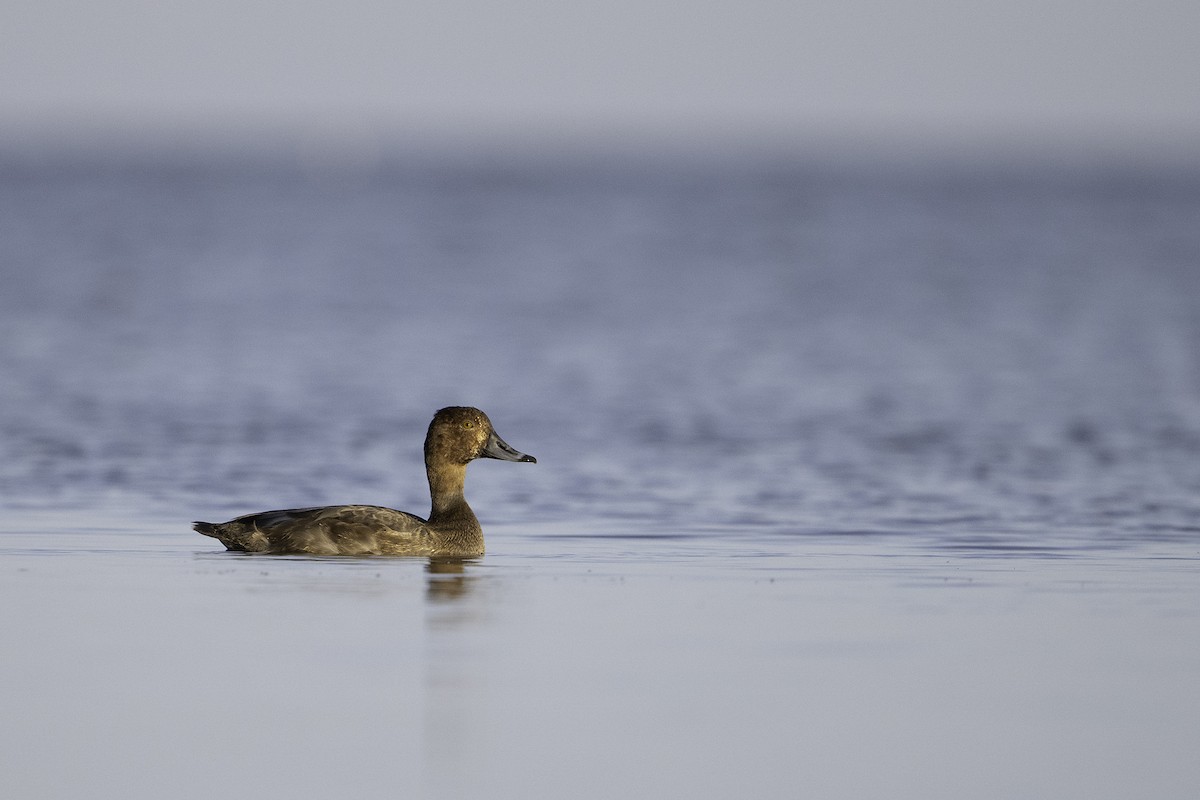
[(446, 493)]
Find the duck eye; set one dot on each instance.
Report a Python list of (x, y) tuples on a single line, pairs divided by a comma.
[(468, 425)]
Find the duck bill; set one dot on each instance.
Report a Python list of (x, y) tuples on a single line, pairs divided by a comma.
[(498, 448)]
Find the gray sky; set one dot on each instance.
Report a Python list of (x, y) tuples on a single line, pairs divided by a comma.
[(940, 68)]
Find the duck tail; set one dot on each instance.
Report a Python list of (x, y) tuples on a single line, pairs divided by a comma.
[(207, 528)]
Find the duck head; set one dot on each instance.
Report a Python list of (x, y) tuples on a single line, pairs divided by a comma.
[(459, 435)]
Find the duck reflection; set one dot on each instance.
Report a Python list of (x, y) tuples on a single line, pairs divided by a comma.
[(448, 579), (457, 618)]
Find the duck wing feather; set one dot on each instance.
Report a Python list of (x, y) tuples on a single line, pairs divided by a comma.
[(324, 530)]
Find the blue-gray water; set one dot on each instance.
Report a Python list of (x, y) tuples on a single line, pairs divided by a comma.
[(854, 480)]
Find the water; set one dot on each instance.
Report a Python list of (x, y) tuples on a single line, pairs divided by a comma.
[(854, 479)]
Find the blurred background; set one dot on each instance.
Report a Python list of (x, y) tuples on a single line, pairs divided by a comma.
[(821, 266), (354, 78)]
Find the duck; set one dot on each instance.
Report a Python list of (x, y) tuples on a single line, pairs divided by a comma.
[(457, 436)]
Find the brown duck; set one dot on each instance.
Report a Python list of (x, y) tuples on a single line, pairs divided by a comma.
[(456, 437)]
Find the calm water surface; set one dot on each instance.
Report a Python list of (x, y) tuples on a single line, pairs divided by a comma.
[(853, 480)]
